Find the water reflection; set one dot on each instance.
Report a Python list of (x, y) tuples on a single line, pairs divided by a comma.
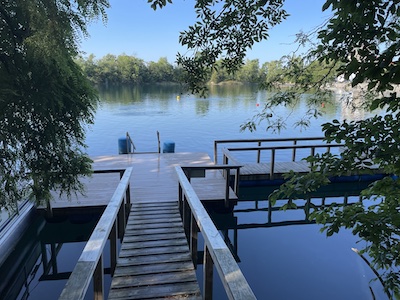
[(276, 248)]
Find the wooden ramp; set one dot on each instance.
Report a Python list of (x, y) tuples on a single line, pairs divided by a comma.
[(154, 261)]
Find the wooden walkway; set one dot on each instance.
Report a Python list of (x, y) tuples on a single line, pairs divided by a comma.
[(154, 261)]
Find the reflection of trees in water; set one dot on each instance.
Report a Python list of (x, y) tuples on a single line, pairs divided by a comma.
[(138, 93), (220, 97), (202, 107)]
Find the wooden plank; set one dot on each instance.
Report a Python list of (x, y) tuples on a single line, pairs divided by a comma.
[(154, 268), (154, 237), (153, 279), (166, 291), (136, 252), (153, 244)]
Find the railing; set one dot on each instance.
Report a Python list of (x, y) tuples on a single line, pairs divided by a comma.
[(200, 171), (90, 263), (227, 155), (216, 252), (259, 143), (129, 142)]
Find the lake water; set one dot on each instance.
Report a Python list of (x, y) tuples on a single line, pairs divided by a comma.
[(281, 255), (191, 122)]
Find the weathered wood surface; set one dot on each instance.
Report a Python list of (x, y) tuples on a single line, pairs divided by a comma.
[(154, 260), (150, 170), (262, 170)]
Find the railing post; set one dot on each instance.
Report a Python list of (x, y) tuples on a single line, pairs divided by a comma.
[(294, 151), (271, 174), (259, 153), (113, 248), (237, 178), (186, 218), (228, 174), (128, 200), (193, 240), (207, 274), (180, 199), (215, 153), (121, 221), (98, 280)]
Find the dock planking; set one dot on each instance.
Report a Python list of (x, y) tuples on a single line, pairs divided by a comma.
[(154, 261), (154, 171)]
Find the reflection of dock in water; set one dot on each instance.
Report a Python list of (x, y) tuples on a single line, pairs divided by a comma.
[(254, 201)]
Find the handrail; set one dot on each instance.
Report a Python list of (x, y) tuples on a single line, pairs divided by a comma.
[(200, 171), (227, 152), (129, 141), (90, 263), (216, 252), (260, 141)]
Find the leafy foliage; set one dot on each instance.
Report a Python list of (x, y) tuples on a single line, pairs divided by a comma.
[(361, 41), (45, 99), (224, 30)]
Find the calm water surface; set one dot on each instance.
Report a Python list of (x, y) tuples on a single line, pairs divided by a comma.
[(191, 122)]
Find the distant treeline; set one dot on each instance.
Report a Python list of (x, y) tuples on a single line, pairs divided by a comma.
[(126, 69)]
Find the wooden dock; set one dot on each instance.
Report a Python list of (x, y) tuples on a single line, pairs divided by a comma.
[(154, 261), (154, 179)]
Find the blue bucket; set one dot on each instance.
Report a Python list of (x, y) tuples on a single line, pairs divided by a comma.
[(169, 147), (124, 147)]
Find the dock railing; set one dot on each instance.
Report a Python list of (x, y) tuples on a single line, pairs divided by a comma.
[(90, 263), (200, 171), (261, 142), (216, 252), (228, 157)]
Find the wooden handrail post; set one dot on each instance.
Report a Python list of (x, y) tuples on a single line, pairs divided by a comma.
[(294, 151), (271, 174), (215, 153), (237, 177), (186, 218), (180, 199), (98, 280), (113, 248), (193, 240), (207, 274), (228, 174), (128, 200), (121, 221)]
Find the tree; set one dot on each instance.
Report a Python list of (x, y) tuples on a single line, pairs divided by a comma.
[(44, 97), (249, 72), (360, 41), (161, 71)]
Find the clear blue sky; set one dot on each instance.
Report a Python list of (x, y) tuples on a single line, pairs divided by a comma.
[(135, 29)]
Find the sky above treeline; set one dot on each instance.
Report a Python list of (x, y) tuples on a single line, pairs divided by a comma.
[(134, 28)]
